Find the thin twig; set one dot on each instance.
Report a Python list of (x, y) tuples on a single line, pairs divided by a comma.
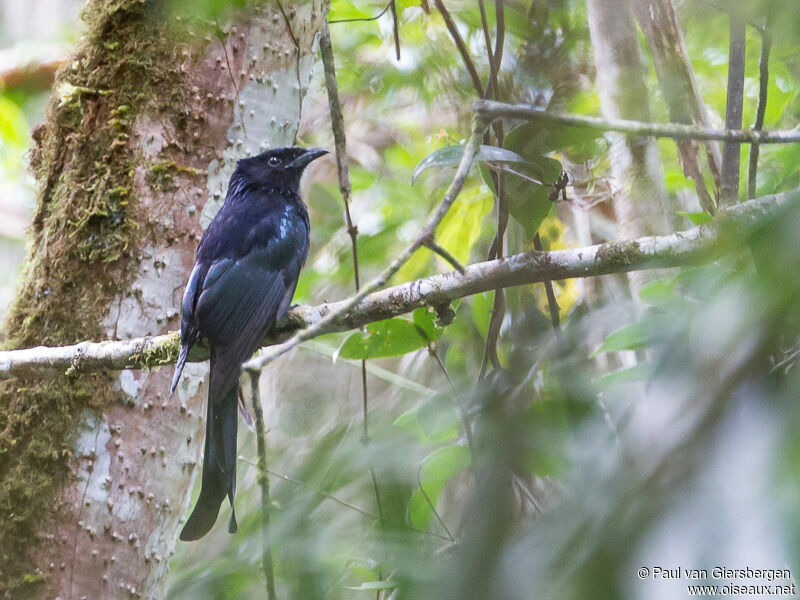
[(263, 481), (729, 192), (470, 152), (462, 47), (462, 411), (499, 42), (763, 74), (548, 289), (345, 187), (396, 29), (362, 19), (430, 504), (340, 142), (487, 38), (346, 504), (435, 247), (491, 110), (499, 300)]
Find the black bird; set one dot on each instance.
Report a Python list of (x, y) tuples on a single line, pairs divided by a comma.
[(243, 280)]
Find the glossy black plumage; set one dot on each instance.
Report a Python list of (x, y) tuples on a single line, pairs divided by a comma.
[(243, 280)]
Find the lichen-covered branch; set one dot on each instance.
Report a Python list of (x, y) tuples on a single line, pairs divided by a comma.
[(693, 246), (491, 110)]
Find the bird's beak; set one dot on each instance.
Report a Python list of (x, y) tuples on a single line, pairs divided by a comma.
[(303, 160)]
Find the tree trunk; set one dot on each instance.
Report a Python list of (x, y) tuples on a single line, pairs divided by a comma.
[(640, 204), (676, 79), (141, 136)]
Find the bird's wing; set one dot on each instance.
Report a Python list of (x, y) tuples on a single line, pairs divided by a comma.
[(189, 332), (239, 301)]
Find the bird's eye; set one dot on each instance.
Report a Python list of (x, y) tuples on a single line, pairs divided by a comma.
[(274, 161)]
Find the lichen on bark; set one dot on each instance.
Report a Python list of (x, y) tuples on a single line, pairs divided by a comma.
[(85, 230)]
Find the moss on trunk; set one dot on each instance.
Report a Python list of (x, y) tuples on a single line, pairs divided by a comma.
[(85, 233)]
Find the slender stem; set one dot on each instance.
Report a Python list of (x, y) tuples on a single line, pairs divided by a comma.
[(362, 19), (396, 29), (345, 187), (462, 47), (548, 289), (340, 141), (366, 513), (763, 72), (490, 110), (263, 481), (462, 411), (499, 41), (733, 111), (487, 38), (435, 247)]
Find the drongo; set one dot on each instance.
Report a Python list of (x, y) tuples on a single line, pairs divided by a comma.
[(243, 280)]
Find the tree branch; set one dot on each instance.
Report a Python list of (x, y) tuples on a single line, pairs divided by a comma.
[(763, 86), (729, 192), (693, 246), (263, 482), (491, 110), (32, 71)]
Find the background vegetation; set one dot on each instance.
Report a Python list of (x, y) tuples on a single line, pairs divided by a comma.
[(655, 427)]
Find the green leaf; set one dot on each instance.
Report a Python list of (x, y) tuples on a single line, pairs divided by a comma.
[(449, 156), (698, 218), (630, 337), (461, 227), (435, 419), (530, 208), (527, 190), (638, 372), (425, 319), (541, 137), (374, 585), (391, 337), (437, 468), (658, 293)]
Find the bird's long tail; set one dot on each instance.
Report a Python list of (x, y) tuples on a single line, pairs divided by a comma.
[(219, 456)]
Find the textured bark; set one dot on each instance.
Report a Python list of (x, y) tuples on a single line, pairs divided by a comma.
[(635, 163), (729, 193), (676, 79), (123, 467)]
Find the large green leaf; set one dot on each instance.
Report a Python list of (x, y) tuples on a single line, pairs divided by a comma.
[(634, 336), (437, 468), (435, 419), (374, 585), (392, 337), (541, 137), (450, 156), (527, 186)]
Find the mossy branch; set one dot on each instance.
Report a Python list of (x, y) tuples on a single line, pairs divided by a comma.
[(694, 246)]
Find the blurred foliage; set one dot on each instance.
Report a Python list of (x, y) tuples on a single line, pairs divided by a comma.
[(559, 476), (661, 430)]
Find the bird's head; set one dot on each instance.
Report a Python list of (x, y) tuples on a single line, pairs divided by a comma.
[(278, 167)]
